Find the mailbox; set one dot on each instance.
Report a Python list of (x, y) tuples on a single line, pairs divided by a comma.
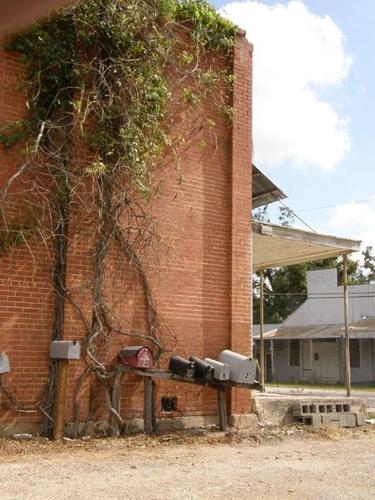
[(181, 366), (221, 370), (4, 364), (65, 349), (137, 356), (202, 370), (242, 369)]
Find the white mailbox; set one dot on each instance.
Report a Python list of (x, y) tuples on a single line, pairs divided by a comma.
[(221, 370), (242, 369), (4, 364), (65, 349)]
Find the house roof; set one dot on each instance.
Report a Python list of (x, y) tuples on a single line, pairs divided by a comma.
[(264, 191), (277, 246), (321, 332)]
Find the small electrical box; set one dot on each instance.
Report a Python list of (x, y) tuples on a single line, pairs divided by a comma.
[(202, 370), (242, 369), (181, 366), (221, 370), (137, 356), (65, 349), (4, 364)]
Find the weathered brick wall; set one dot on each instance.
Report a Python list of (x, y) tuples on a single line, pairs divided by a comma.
[(200, 273)]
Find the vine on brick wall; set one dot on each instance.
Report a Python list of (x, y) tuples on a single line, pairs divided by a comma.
[(104, 74)]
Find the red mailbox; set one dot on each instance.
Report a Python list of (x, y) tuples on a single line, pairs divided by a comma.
[(137, 356)]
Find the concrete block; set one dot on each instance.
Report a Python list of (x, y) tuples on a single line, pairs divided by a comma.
[(360, 419), (313, 420), (351, 420)]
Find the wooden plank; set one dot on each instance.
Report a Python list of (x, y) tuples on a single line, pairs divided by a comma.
[(223, 413), (116, 404), (147, 406), (62, 378)]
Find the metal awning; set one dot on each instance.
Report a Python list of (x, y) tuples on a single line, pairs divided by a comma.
[(264, 191), (319, 332), (277, 246)]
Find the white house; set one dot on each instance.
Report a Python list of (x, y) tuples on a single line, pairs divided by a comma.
[(308, 346)]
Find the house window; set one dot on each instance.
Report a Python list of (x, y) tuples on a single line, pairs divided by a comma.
[(294, 353), (355, 353)]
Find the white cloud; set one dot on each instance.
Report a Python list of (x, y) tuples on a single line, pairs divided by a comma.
[(356, 221), (296, 56)]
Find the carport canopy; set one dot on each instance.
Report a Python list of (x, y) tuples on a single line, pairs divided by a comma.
[(277, 246)]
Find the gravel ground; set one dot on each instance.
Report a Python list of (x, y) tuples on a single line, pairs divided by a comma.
[(269, 464)]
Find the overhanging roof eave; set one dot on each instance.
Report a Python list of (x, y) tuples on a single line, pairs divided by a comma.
[(277, 246)]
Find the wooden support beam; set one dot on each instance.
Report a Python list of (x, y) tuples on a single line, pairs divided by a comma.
[(59, 417), (261, 330), (147, 406), (116, 404), (346, 327), (223, 412)]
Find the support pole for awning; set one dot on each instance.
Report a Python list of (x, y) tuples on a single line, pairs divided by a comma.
[(261, 329), (346, 321)]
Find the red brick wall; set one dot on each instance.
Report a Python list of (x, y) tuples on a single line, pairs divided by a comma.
[(200, 270)]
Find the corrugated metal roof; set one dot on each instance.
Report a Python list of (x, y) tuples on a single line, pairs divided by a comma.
[(320, 332), (277, 246), (264, 191)]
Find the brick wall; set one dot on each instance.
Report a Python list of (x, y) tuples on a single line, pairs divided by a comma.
[(200, 270)]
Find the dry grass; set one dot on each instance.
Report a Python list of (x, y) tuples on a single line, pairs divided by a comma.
[(40, 446)]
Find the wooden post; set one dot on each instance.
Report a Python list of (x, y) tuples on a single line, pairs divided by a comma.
[(62, 378), (261, 330), (223, 413), (116, 404), (346, 321), (147, 407)]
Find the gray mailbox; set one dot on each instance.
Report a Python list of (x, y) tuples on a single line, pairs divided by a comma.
[(242, 369), (221, 370), (65, 349), (4, 364)]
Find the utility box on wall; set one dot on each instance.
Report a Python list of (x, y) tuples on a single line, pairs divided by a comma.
[(137, 356), (65, 349), (4, 364), (242, 369)]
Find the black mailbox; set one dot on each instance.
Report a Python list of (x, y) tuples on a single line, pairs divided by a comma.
[(202, 370), (181, 366)]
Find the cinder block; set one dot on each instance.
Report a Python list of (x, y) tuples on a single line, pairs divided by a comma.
[(326, 419), (351, 420), (313, 420), (360, 418)]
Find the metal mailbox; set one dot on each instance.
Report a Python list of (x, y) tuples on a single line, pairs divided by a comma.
[(221, 370), (242, 368), (137, 356), (202, 370), (4, 364), (181, 366), (65, 349)]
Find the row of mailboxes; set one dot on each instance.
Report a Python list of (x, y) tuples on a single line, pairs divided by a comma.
[(230, 366)]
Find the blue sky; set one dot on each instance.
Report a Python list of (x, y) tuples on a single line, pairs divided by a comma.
[(345, 44)]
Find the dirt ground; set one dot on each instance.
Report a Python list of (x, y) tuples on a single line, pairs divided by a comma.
[(291, 463)]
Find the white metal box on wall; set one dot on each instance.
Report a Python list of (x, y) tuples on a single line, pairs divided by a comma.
[(65, 349), (4, 364), (242, 368)]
